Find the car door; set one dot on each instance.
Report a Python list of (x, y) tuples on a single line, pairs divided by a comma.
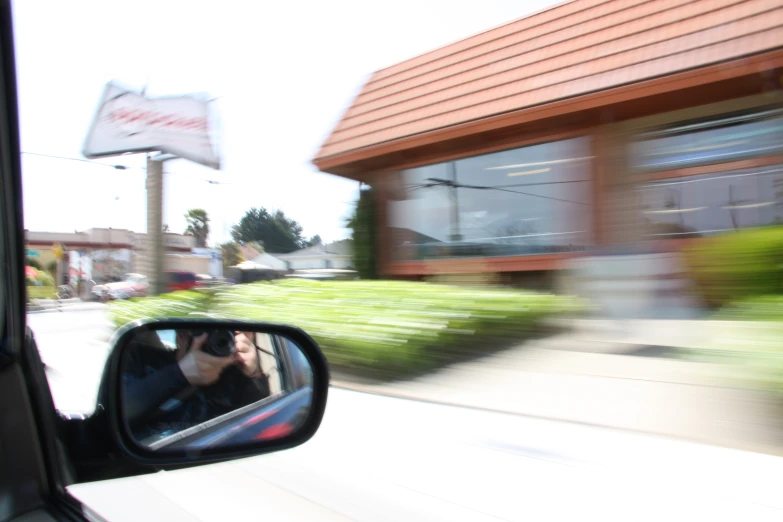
[(31, 475)]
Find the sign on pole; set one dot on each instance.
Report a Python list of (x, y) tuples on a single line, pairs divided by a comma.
[(127, 121), (58, 251)]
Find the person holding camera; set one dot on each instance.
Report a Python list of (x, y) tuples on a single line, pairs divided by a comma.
[(206, 376)]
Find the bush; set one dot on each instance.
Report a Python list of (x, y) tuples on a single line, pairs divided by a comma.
[(34, 263), (387, 328), (45, 279), (363, 225), (176, 304), (738, 265), (41, 292)]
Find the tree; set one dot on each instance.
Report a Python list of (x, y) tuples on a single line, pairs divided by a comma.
[(274, 230), (363, 232), (165, 228), (315, 240), (230, 254), (198, 225)]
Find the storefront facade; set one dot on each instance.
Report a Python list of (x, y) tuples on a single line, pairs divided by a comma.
[(587, 127)]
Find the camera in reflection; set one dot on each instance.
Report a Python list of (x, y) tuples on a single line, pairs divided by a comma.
[(220, 343)]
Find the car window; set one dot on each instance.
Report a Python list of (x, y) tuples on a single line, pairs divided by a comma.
[(302, 370)]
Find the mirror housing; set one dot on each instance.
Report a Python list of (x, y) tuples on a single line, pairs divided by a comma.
[(213, 439)]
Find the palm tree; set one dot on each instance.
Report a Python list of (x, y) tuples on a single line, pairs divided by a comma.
[(198, 225)]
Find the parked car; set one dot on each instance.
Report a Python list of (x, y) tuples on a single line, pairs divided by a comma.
[(181, 280), (132, 285)]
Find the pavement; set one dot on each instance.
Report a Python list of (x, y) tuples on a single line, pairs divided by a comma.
[(73, 346), (605, 373), (54, 305)]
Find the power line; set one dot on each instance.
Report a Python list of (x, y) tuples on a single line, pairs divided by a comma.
[(437, 182), (117, 167)]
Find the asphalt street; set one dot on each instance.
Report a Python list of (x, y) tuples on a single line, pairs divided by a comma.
[(382, 458), (73, 344)]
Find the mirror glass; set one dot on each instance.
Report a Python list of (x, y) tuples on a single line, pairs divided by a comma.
[(191, 389)]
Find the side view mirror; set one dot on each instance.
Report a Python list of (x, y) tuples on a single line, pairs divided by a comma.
[(185, 391)]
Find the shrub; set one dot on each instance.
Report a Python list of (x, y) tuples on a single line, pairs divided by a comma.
[(45, 279), (387, 328), (738, 265), (174, 304), (41, 292), (363, 225)]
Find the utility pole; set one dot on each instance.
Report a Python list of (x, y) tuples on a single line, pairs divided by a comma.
[(155, 246), (455, 234)]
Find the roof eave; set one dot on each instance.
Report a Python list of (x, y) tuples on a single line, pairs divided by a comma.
[(344, 163)]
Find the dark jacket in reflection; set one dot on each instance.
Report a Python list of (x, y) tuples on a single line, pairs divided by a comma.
[(158, 401)]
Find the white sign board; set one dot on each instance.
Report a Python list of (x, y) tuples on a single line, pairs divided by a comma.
[(129, 122)]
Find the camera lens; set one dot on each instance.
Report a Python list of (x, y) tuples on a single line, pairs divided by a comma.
[(221, 343)]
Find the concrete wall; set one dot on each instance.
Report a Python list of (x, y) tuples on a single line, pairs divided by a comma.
[(632, 286)]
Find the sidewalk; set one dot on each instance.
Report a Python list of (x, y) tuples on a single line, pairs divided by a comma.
[(53, 305), (597, 375)]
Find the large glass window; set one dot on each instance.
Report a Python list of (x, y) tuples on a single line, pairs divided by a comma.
[(715, 141), (703, 205), (531, 200)]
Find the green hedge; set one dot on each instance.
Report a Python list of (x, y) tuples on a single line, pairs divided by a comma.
[(42, 292), (176, 304), (738, 265), (382, 327)]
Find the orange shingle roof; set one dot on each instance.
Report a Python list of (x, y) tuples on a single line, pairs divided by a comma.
[(575, 48)]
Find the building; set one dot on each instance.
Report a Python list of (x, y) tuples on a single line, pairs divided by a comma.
[(275, 263), (585, 127), (107, 253), (337, 255)]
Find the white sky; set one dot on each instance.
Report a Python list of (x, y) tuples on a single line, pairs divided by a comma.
[(284, 72)]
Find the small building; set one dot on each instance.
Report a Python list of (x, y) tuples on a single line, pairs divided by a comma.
[(589, 126), (108, 253), (271, 261), (337, 255)]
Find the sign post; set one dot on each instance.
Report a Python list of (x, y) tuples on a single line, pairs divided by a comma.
[(59, 273), (175, 126), (155, 247)]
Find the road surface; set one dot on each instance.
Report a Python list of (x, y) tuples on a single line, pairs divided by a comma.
[(386, 459), (73, 345)]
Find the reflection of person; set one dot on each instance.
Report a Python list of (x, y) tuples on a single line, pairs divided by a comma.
[(166, 391)]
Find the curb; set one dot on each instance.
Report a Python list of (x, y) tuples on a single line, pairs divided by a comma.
[(54, 306)]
